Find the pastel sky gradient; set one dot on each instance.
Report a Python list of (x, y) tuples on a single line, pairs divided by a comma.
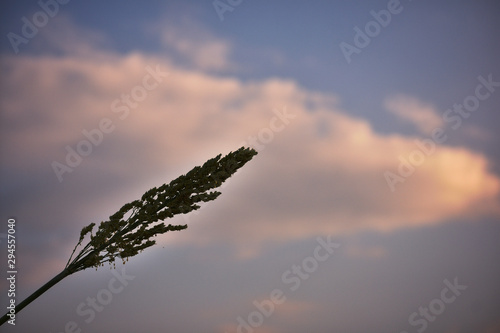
[(391, 152)]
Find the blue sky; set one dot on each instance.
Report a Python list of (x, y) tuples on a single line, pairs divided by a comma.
[(391, 155)]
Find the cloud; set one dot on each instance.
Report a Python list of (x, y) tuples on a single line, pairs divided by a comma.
[(318, 172), (423, 116), (62, 36), (203, 50)]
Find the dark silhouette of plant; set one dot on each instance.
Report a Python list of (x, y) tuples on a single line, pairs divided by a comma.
[(131, 229)]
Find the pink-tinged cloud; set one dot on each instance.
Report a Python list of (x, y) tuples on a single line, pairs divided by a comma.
[(319, 170), (425, 117)]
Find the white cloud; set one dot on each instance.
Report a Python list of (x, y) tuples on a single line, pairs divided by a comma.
[(198, 46), (424, 116)]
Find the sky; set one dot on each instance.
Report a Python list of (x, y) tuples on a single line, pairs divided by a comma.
[(373, 202)]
